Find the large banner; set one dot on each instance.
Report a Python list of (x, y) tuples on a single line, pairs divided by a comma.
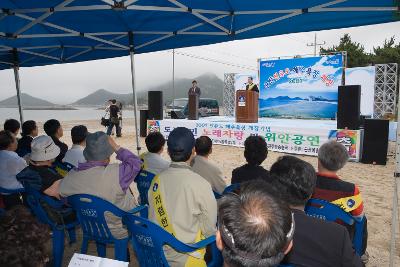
[(281, 139), (364, 76), (300, 87)]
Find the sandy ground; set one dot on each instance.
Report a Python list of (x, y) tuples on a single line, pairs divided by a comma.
[(376, 184)]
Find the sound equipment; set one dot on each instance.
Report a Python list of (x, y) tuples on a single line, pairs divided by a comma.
[(362, 120), (177, 114), (348, 114), (375, 145), (144, 113), (155, 100)]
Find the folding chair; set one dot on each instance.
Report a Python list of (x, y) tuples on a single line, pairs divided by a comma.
[(148, 240), (90, 212), (325, 210)]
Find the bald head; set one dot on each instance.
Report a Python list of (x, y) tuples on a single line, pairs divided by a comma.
[(253, 226)]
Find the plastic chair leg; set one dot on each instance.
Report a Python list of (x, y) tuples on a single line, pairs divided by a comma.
[(121, 250), (58, 247), (101, 249), (358, 237), (72, 235), (84, 246)]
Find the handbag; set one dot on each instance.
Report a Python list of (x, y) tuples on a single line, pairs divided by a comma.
[(105, 122)]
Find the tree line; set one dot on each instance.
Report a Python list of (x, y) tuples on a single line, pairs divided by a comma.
[(389, 52)]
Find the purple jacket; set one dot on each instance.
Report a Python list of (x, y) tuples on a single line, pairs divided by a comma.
[(128, 168)]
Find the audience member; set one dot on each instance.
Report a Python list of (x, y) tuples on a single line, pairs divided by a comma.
[(24, 241), (74, 156), (10, 165), (40, 175), (255, 152), (316, 242), (254, 228), (12, 126), (152, 160), (181, 201), (204, 167), (106, 180), (29, 131), (332, 156), (55, 131)]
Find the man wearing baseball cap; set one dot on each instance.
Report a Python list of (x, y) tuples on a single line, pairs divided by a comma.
[(181, 201), (109, 181)]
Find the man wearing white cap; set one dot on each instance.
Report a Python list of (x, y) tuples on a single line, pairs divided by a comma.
[(39, 175)]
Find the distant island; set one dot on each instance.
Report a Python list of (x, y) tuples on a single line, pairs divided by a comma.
[(287, 98), (50, 108), (211, 87)]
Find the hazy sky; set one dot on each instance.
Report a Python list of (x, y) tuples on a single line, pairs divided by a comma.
[(63, 84)]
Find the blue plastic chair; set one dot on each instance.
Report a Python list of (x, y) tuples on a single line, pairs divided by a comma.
[(231, 188), (228, 189), (34, 199), (90, 212), (325, 210), (143, 181), (148, 240)]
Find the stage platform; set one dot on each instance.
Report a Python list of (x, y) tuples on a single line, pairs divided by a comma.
[(283, 135)]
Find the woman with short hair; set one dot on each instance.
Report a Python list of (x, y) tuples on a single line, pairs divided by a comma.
[(10, 165)]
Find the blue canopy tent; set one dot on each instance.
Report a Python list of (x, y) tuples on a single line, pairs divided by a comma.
[(37, 33)]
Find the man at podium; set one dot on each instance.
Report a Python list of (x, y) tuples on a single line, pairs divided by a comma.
[(195, 90), (251, 86), (194, 96)]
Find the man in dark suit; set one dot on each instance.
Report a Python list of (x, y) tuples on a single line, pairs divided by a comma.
[(194, 90), (251, 86), (316, 242)]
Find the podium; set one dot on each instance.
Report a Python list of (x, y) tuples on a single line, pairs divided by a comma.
[(193, 107), (246, 106)]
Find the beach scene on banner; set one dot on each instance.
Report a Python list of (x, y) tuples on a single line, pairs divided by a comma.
[(300, 87)]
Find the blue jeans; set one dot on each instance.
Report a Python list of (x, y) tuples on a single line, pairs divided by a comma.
[(111, 126)]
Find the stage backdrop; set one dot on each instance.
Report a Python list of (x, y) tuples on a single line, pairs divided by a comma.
[(364, 76), (300, 87), (281, 139)]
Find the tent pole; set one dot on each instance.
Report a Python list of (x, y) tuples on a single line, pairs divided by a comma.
[(173, 78), (396, 190), (17, 86), (132, 56)]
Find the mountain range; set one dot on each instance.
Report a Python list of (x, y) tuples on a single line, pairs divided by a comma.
[(211, 87), (27, 101)]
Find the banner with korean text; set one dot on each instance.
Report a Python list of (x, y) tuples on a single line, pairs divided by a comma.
[(280, 139), (300, 87)]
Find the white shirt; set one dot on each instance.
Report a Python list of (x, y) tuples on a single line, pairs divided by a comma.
[(74, 156), (154, 162), (10, 165)]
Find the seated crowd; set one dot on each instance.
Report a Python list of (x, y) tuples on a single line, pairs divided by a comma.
[(261, 224)]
